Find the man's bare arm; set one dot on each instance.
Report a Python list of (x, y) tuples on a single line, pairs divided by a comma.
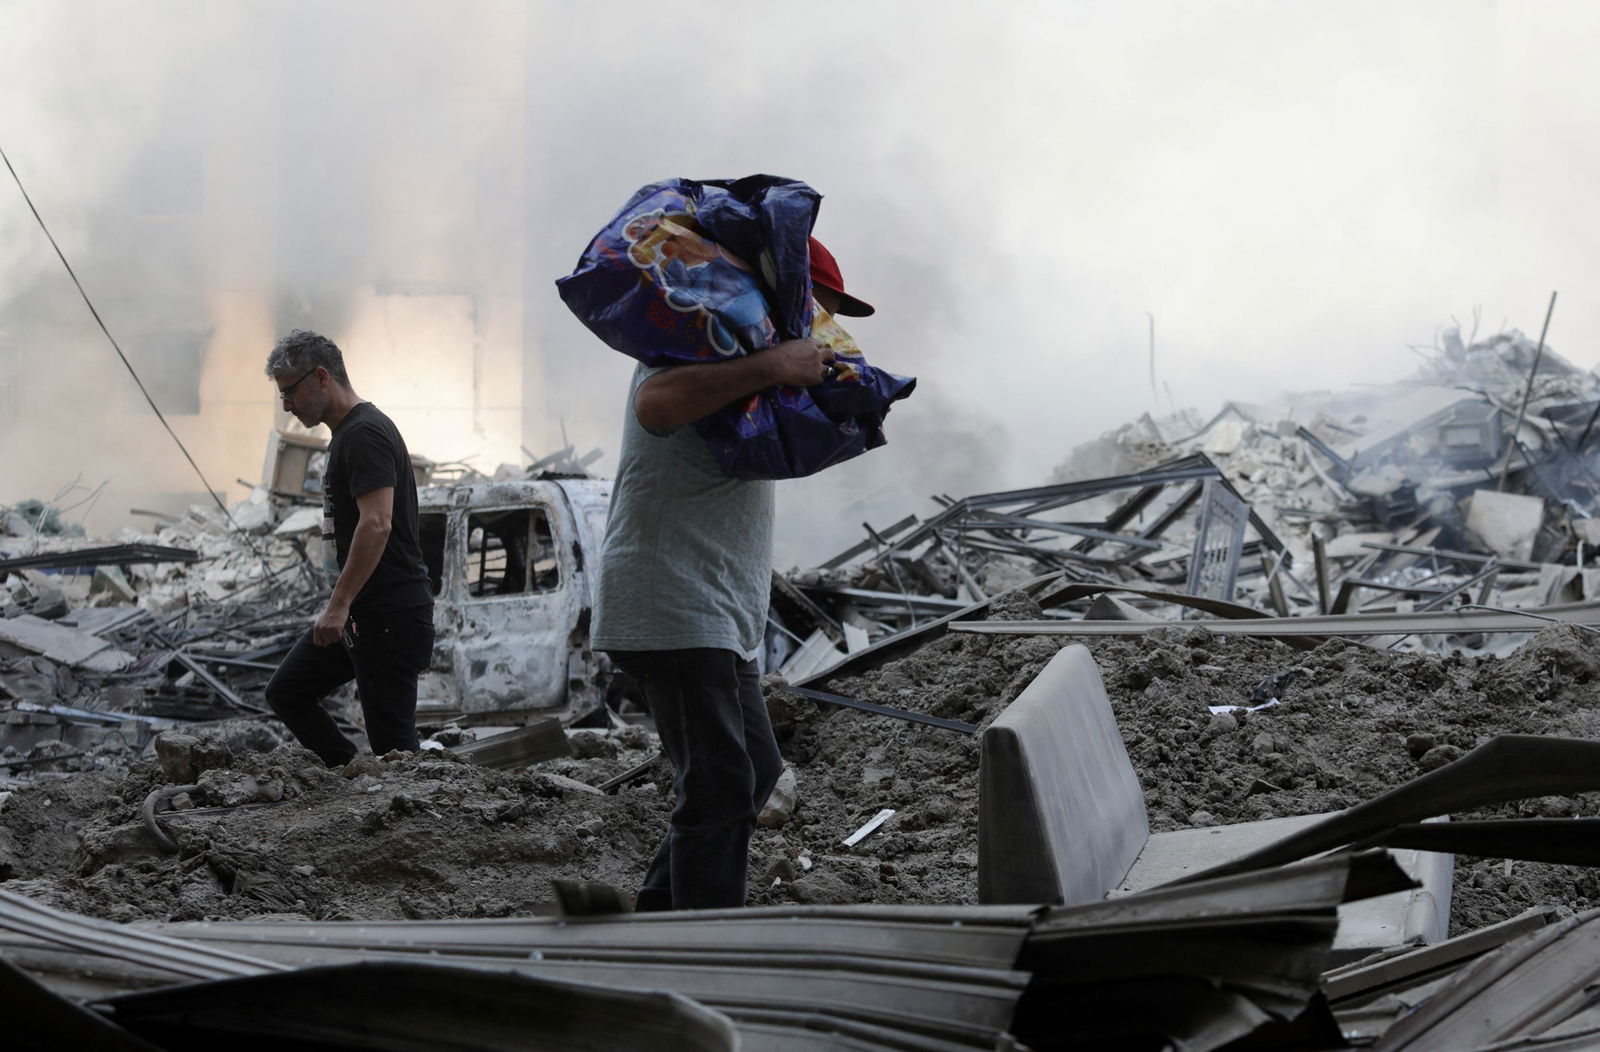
[(685, 393), (366, 548)]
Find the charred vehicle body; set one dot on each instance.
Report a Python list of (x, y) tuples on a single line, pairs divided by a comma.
[(512, 566)]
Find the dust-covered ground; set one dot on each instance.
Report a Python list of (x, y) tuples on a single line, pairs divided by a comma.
[(428, 835)]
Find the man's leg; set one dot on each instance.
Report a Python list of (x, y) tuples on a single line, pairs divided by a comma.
[(306, 676), (390, 651), (698, 702), (759, 742), (649, 671), (655, 890)]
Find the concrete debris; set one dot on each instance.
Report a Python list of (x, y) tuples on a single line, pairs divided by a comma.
[(1409, 497), (1507, 523), (189, 621), (780, 805), (185, 757), (66, 646), (254, 514), (299, 521), (111, 585), (121, 680)]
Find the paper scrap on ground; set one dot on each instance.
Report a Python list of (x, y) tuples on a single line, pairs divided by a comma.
[(865, 831)]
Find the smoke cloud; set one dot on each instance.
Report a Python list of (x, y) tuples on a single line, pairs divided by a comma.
[(1297, 193)]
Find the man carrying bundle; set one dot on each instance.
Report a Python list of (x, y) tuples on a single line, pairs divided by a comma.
[(682, 605)]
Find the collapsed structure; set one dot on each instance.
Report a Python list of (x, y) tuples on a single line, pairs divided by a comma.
[(1416, 496), (1293, 612)]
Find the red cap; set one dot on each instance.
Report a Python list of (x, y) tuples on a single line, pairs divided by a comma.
[(825, 272)]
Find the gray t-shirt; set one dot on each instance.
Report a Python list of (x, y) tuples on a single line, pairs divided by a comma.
[(688, 552)]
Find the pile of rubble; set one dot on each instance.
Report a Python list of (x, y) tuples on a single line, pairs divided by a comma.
[(879, 809), (432, 835), (1473, 484), (102, 646), (143, 781)]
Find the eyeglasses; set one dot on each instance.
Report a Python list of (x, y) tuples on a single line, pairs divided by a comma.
[(286, 394)]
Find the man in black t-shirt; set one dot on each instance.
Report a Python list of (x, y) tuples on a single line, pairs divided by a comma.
[(377, 626)]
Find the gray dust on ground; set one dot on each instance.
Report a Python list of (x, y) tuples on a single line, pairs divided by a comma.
[(427, 835)]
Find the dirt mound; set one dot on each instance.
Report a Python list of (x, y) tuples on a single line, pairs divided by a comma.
[(428, 835), (424, 835), (1350, 722)]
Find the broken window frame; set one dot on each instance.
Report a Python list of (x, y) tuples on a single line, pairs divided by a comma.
[(541, 570)]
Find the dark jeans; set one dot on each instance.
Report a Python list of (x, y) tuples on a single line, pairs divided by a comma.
[(387, 653), (713, 723)]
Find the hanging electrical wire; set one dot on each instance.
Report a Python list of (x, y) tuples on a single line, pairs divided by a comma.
[(217, 499)]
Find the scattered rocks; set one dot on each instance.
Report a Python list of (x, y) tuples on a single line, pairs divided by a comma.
[(1439, 756), (184, 757), (222, 787), (1419, 744), (781, 804), (362, 763), (587, 745), (426, 835)]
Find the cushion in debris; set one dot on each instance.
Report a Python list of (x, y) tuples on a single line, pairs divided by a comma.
[(1061, 813)]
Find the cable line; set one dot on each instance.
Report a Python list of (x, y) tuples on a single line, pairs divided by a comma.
[(129, 365)]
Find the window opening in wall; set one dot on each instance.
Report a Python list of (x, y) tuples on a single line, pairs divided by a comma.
[(510, 552), (169, 364)]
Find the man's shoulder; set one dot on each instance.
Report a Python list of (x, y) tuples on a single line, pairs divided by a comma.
[(368, 415), (365, 433), (366, 420)]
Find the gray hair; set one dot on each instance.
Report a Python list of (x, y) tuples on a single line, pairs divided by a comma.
[(303, 350)]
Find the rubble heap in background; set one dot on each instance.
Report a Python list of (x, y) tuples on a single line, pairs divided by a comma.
[(1411, 496), (102, 646)]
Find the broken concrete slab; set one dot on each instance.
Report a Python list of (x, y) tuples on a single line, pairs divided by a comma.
[(301, 520), (65, 645), (1507, 523), (111, 584), (254, 514), (1418, 916), (1353, 545)]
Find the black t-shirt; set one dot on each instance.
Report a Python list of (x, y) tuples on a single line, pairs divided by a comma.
[(367, 453)]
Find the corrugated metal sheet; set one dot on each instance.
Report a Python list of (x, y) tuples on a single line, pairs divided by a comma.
[(1191, 966), (1543, 983), (1368, 996), (416, 1007), (937, 977)]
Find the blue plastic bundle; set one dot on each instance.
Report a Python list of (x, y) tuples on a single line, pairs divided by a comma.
[(699, 271)]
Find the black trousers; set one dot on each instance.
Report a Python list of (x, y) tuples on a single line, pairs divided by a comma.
[(713, 723), (386, 653)]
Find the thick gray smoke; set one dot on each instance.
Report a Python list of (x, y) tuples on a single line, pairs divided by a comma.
[(1296, 192)]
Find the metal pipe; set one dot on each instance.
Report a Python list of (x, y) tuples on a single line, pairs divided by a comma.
[(1527, 392)]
